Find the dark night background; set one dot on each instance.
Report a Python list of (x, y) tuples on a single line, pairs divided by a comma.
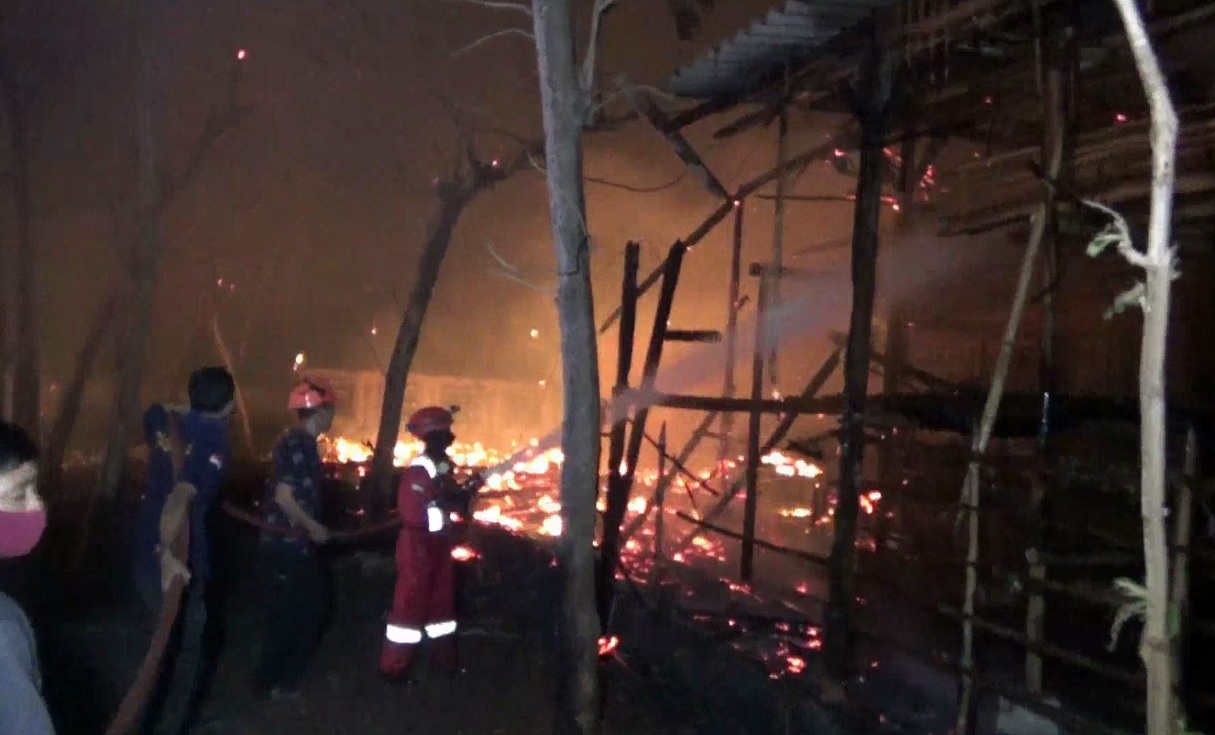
[(314, 204), (312, 208)]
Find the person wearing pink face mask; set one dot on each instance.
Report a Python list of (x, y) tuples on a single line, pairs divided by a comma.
[(22, 521)]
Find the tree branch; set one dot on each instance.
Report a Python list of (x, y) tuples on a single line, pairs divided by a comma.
[(490, 37), (498, 5), (592, 45)]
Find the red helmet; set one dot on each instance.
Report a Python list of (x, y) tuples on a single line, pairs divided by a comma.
[(430, 419), (311, 393)]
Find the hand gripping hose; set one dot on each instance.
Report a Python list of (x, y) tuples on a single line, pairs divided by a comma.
[(136, 699)]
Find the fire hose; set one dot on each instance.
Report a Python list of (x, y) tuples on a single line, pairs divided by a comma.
[(136, 699)]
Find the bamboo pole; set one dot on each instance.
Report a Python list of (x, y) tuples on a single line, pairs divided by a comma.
[(747, 557), (970, 493), (1158, 263), (1180, 588), (1055, 92), (873, 108), (729, 388), (1035, 611)]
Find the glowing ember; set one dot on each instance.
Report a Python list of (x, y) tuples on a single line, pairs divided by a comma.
[(241, 54), (608, 644), (789, 467), (464, 553)]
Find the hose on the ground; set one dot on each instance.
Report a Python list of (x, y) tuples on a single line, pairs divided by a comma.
[(135, 702), (130, 711)]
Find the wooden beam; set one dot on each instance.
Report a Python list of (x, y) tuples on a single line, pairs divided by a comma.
[(796, 163), (711, 336), (647, 109)]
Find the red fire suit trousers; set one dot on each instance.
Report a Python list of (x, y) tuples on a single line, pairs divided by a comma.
[(423, 604)]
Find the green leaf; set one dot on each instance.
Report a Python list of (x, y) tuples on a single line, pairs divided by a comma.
[(1103, 240), (1132, 297)]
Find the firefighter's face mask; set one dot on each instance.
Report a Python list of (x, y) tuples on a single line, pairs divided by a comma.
[(22, 515)]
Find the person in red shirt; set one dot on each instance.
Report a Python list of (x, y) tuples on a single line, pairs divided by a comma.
[(423, 603)]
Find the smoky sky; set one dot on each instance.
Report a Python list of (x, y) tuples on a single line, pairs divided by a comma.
[(313, 207)]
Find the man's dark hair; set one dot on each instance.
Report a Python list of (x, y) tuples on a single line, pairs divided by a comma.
[(211, 388), (16, 447)]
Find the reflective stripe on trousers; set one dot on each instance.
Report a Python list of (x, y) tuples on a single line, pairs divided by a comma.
[(438, 630), (403, 635), (406, 636)]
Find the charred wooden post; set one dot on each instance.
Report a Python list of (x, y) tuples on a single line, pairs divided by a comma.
[(872, 102), (660, 496), (893, 379), (624, 355), (896, 359), (747, 558), (729, 388), (624, 365), (621, 478), (703, 336)]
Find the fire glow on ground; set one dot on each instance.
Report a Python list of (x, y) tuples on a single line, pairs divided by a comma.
[(524, 499)]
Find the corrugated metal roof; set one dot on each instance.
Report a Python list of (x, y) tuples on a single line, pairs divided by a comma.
[(785, 35)]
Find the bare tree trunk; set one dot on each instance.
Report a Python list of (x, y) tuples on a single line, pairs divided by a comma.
[(874, 98), (133, 344), (563, 104), (73, 394), (971, 497), (438, 238), (1158, 265)]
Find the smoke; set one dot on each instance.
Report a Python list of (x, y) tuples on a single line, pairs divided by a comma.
[(910, 269)]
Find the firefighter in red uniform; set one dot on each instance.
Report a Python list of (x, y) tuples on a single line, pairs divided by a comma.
[(423, 604)]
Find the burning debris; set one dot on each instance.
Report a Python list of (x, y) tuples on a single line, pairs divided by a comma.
[(524, 499)]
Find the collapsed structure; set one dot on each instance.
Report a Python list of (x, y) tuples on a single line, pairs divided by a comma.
[(1043, 100)]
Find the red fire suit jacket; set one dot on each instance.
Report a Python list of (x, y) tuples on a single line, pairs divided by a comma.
[(423, 520)]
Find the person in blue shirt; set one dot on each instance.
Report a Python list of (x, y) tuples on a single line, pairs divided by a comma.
[(22, 521), (183, 490), (291, 573)]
